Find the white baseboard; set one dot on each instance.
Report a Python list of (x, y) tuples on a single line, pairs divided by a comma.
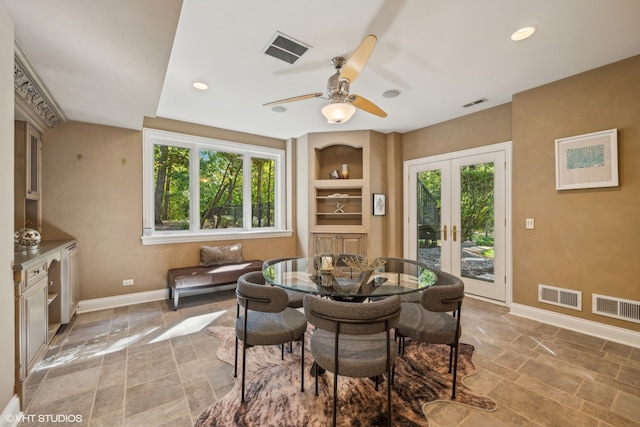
[(86, 306), (600, 330), (11, 415), (138, 298)]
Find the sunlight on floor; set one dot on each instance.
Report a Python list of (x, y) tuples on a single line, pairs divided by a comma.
[(188, 326), (90, 349)]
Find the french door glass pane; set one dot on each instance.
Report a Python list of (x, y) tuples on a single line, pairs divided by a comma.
[(171, 198), (429, 203), (477, 221), (220, 189)]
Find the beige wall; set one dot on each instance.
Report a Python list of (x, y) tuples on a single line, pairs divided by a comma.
[(7, 343), (584, 239), (92, 190), (393, 178), (485, 127)]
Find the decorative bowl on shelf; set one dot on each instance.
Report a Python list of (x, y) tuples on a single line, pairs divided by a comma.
[(26, 239)]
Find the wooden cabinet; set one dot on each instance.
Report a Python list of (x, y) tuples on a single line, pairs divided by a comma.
[(346, 243), (342, 207), (35, 311), (32, 316), (28, 177), (46, 295)]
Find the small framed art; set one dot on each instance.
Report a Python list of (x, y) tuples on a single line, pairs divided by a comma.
[(587, 161), (379, 204)]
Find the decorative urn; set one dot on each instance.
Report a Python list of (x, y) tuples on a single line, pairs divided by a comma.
[(27, 239)]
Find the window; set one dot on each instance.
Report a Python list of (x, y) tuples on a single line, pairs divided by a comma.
[(197, 189)]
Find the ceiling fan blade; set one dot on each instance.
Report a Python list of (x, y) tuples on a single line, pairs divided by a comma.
[(366, 105), (295, 98), (358, 59)]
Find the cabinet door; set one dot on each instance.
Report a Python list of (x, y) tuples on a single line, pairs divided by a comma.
[(35, 320), (353, 243), (33, 164), (347, 243)]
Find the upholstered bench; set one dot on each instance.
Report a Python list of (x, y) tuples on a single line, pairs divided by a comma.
[(219, 266)]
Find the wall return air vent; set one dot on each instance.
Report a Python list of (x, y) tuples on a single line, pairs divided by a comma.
[(561, 297), (285, 48), (617, 308)]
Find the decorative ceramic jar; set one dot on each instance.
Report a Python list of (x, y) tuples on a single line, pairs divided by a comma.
[(27, 239)]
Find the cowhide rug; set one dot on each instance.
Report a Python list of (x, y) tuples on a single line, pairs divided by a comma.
[(273, 396)]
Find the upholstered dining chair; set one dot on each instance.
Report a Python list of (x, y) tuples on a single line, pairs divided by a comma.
[(295, 298), (436, 319), (353, 340), (265, 320)]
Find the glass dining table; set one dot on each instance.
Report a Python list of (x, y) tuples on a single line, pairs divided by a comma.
[(342, 282)]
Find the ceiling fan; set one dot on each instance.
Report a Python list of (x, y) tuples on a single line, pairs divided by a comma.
[(343, 104)]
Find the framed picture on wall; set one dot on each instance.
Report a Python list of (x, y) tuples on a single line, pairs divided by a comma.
[(379, 204), (587, 161)]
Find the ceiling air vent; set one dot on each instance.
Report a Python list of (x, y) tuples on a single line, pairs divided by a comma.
[(476, 102), (285, 48)]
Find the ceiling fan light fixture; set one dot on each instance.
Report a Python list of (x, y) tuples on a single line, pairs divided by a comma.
[(338, 112)]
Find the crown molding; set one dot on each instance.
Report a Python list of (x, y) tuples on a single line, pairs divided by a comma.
[(32, 100)]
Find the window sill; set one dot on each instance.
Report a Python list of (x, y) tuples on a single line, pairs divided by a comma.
[(165, 239)]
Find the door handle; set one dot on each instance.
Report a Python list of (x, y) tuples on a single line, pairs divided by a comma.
[(444, 232), (454, 232)]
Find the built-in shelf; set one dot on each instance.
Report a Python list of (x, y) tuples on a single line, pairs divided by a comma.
[(345, 215), (339, 205), (341, 208), (50, 298)]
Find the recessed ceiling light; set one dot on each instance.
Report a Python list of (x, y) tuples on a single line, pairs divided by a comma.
[(200, 85), (391, 93), (523, 33), (278, 109)]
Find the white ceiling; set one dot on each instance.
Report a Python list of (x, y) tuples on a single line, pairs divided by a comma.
[(113, 62)]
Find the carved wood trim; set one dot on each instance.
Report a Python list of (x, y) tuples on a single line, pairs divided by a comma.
[(32, 99)]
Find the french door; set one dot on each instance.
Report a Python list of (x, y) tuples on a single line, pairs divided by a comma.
[(456, 208)]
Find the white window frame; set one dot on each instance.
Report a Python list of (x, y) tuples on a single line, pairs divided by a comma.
[(150, 236)]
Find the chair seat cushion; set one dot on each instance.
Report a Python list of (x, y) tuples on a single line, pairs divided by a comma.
[(272, 328), (426, 326), (359, 356)]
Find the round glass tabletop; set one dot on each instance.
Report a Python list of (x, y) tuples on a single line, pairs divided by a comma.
[(341, 281)]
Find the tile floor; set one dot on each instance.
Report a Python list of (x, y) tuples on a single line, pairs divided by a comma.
[(146, 365)]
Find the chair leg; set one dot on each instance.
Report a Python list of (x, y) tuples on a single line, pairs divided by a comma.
[(455, 371), (244, 360), (335, 398), (315, 367), (389, 375), (393, 373), (302, 366), (235, 361)]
